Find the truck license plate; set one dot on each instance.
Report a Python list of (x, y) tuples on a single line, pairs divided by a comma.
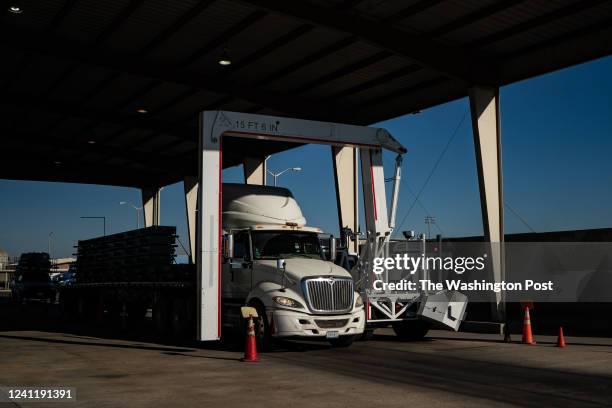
[(332, 334)]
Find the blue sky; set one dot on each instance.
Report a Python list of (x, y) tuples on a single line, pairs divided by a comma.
[(557, 143)]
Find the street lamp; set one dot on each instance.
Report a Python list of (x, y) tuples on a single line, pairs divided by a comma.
[(276, 175), (138, 209), (50, 235), (429, 220), (98, 218)]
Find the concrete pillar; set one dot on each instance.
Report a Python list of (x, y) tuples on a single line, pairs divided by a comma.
[(484, 106), (347, 189), (190, 185), (374, 194), (151, 206), (254, 170)]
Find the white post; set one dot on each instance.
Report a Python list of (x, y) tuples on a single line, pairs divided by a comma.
[(254, 170), (347, 191), (209, 228), (151, 206), (484, 106), (374, 196), (190, 185)]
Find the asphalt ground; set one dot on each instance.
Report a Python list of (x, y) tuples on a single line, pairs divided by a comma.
[(112, 368)]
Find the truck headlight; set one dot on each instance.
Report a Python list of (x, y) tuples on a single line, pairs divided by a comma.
[(287, 302), (358, 300)]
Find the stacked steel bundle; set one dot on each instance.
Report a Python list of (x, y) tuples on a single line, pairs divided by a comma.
[(142, 255)]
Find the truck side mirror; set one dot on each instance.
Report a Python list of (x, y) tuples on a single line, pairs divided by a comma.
[(228, 246), (333, 251)]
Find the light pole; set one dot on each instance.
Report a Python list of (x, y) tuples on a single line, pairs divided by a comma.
[(429, 220), (138, 209), (98, 218), (49, 248), (276, 175)]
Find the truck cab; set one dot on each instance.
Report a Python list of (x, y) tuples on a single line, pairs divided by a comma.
[(274, 262)]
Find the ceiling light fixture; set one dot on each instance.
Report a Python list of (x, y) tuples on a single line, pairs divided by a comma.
[(225, 59), (15, 7), (142, 110)]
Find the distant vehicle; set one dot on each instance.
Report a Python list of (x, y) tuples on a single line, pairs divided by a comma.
[(66, 278), (32, 279)]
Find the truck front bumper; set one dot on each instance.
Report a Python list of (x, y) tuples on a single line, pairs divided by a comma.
[(288, 323)]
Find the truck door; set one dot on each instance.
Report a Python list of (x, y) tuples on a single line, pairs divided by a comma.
[(237, 275)]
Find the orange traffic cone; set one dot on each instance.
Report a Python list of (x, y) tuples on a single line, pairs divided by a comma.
[(561, 338), (250, 348), (527, 336)]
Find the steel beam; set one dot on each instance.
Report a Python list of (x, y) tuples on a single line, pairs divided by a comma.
[(132, 121), (484, 106), (39, 167), (452, 62), (136, 65)]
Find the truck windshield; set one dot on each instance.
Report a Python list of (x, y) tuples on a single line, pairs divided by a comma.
[(285, 244)]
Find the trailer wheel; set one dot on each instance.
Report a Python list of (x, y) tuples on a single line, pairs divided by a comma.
[(411, 330), (136, 313), (68, 304), (162, 312), (342, 341), (180, 318)]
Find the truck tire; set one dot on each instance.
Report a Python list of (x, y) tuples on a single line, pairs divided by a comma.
[(162, 315), (68, 305), (180, 320), (265, 342), (368, 334), (136, 313), (342, 341), (411, 330)]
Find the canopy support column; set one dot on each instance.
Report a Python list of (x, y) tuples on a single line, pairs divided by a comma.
[(151, 206), (484, 106), (255, 170), (190, 184), (345, 177)]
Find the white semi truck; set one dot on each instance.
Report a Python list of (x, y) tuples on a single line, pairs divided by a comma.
[(274, 262)]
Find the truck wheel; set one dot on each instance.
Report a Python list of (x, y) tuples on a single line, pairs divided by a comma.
[(68, 305), (264, 338), (342, 341), (411, 330), (367, 335), (180, 322), (136, 313)]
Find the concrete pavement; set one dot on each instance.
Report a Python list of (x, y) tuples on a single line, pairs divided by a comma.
[(447, 369)]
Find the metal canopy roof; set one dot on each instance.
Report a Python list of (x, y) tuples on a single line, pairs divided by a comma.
[(76, 72)]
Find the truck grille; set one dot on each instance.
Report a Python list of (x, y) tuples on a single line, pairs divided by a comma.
[(331, 324), (329, 295)]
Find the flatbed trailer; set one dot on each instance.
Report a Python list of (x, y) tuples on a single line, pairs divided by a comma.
[(172, 305)]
